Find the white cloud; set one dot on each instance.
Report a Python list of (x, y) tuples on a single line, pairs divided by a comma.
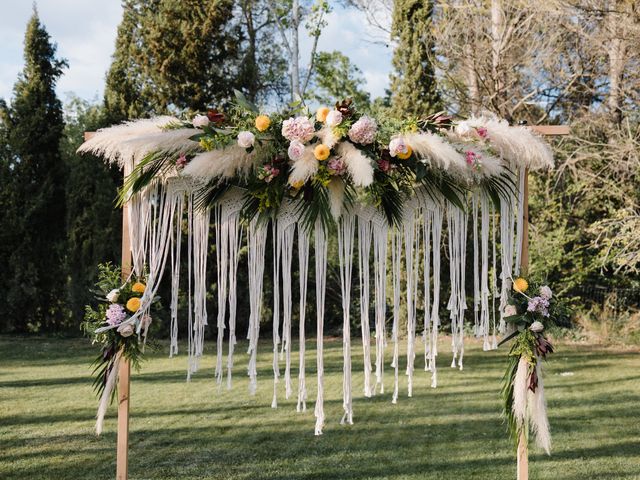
[(84, 31)]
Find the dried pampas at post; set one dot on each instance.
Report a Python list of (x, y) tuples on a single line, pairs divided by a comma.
[(518, 145), (358, 165), (225, 163), (112, 143), (336, 196), (326, 137)]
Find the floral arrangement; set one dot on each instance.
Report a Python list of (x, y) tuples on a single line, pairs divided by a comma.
[(113, 326), (327, 160), (531, 310)]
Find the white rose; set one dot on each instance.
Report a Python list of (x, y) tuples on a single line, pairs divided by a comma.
[(295, 150), (463, 129), (397, 145), (200, 121), (246, 139), (536, 327), (125, 330), (334, 117), (545, 292), (112, 296), (510, 311)]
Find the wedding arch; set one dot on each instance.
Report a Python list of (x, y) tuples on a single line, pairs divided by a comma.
[(388, 187)]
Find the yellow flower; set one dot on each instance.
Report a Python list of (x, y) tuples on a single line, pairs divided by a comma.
[(520, 285), (133, 304), (404, 156), (298, 184), (262, 122), (321, 152), (321, 113), (138, 287)]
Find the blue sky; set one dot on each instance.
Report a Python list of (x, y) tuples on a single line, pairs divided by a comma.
[(85, 31)]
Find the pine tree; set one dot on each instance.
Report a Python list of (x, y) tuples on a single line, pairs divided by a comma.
[(413, 85), (33, 240)]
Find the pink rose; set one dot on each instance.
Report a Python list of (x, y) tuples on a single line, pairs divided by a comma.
[(334, 118), (200, 121), (295, 150), (398, 145), (246, 139)]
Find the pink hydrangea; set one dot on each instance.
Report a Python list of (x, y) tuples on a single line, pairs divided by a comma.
[(363, 131), (298, 128), (115, 314), (336, 166)]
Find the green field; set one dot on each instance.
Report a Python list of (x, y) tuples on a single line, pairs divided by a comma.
[(191, 431)]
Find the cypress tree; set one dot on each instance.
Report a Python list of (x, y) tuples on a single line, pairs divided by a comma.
[(413, 85), (32, 127)]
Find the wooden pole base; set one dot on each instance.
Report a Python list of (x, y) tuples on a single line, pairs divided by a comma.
[(523, 459), (122, 464)]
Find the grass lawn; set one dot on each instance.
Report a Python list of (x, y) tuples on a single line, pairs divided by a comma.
[(191, 431)]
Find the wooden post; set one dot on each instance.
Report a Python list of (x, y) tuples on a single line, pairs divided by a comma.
[(550, 130), (124, 373), (122, 455)]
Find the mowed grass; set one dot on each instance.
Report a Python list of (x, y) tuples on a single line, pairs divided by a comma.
[(191, 430)]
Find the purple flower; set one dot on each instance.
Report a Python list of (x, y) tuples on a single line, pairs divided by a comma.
[(539, 305), (115, 314), (336, 166)]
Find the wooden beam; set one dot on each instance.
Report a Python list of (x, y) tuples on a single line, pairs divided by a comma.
[(124, 374), (551, 130)]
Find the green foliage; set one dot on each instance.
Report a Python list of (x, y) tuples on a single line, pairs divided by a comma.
[(334, 77), (413, 85), (33, 204)]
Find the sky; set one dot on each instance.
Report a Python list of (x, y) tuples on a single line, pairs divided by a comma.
[(85, 32)]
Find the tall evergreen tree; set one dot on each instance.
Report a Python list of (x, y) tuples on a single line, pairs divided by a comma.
[(172, 54), (413, 85), (32, 127)]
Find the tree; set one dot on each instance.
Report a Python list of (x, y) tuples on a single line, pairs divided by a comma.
[(335, 77), (413, 84), (93, 223), (172, 55), (33, 241)]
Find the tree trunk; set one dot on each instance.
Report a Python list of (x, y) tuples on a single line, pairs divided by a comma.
[(616, 53), (295, 67)]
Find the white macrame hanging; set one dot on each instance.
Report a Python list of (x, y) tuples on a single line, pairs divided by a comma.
[(321, 282), (457, 222), (427, 219), (506, 254), (286, 227), (175, 248), (256, 240), (519, 221), (436, 241), (396, 256), (303, 263), (276, 311), (200, 247), (477, 328), (485, 314), (235, 239), (380, 239), (410, 239), (346, 230), (364, 253)]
